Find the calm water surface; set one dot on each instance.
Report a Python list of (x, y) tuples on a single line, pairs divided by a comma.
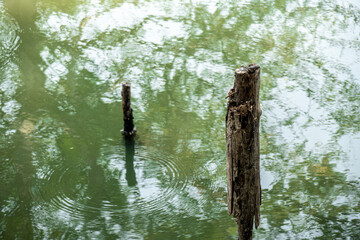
[(66, 171)]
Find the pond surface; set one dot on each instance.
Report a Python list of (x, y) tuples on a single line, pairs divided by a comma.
[(66, 171)]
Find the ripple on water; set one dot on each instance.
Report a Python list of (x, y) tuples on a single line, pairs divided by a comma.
[(159, 191), (159, 180), (9, 38)]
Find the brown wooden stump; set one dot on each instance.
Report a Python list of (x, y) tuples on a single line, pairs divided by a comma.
[(129, 129), (242, 149)]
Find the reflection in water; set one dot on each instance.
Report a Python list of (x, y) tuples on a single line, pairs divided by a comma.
[(129, 164), (62, 168), (9, 39), (18, 212)]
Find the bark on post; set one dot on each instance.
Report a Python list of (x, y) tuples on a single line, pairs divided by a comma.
[(242, 150), (129, 129)]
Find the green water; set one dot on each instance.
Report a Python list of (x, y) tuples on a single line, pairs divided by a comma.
[(66, 171)]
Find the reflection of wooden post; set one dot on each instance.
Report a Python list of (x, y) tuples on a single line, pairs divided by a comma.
[(242, 149), (129, 129), (129, 162)]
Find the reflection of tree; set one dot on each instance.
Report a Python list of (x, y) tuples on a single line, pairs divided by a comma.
[(179, 111), (320, 198), (81, 131), (19, 223)]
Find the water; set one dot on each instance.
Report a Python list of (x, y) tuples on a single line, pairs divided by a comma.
[(67, 173)]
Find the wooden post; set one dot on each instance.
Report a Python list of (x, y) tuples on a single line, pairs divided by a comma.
[(129, 129), (242, 150)]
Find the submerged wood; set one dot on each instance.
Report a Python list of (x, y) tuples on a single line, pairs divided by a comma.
[(129, 129), (242, 150)]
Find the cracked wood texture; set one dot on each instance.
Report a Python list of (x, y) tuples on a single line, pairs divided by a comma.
[(129, 129), (242, 149)]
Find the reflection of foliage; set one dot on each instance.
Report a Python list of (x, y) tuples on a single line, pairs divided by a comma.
[(320, 198), (179, 58)]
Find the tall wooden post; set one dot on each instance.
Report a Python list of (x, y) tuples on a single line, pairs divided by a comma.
[(242, 150), (129, 129)]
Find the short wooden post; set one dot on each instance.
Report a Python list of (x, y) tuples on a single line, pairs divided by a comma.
[(129, 129), (242, 150)]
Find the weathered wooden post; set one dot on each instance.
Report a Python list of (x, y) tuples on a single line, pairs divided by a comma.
[(242, 150), (129, 129)]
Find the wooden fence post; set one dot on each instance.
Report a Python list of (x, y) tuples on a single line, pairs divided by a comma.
[(242, 150), (129, 129)]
